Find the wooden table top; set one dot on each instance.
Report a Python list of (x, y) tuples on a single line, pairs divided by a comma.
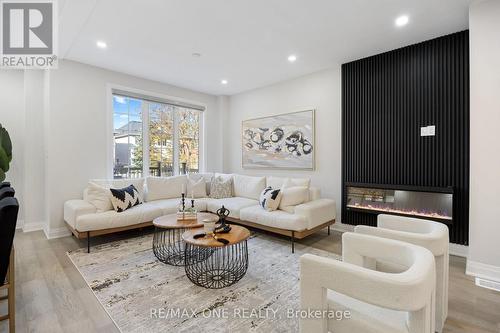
[(170, 221), (236, 235)]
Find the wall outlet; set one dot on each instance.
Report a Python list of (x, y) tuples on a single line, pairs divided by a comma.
[(431, 130), (428, 130), (424, 131)]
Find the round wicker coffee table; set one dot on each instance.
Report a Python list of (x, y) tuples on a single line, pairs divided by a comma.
[(168, 245), (226, 265)]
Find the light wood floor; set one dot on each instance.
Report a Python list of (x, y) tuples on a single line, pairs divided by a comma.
[(52, 296)]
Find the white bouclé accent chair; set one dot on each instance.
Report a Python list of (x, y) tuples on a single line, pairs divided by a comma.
[(434, 236), (378, 302)]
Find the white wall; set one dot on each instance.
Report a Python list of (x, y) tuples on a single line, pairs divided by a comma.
[(77, 130), (484, 248), (34, 200), (320, 91), (12, 118)]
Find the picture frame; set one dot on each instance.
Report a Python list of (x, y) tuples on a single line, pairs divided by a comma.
[(282, 141)]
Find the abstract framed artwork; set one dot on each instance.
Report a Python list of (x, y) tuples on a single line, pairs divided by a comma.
[(284, 141)]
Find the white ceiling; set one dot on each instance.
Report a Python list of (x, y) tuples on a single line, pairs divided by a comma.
[(246, 42)]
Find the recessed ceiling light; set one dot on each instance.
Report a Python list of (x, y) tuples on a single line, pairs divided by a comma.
[(292, 58), (196, 55), (402, 20), (101, 44), (223, 82)]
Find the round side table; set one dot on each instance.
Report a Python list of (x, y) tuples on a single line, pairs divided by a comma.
[(168, 245), (225, 266)]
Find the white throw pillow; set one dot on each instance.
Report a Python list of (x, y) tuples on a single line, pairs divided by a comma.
[(196, 188), (290, 182), (121, 183), (221, 188), (270, 198), (293, 196), (99, 196), (165, 187), (248, 187), (224, 176), (208, 176), (276, 182)]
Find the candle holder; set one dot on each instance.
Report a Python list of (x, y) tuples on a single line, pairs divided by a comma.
[(184, 213)]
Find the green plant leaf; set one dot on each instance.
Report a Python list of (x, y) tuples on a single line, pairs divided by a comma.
[(2, 175), (5, 142), (4, 161)]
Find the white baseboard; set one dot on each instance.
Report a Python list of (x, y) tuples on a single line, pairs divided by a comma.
[(33, 226), (459, 250), (484, 271), (56, 233)]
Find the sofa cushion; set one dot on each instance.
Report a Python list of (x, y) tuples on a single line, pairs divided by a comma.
[(119, 183), (280, 182), (275, 219), (196, 187), (112, 219), (248, 187), (297, 182), (165, 187), (293, 196), (208, 176), (234, 204), (99, 196), (221, 188), (225, 176), (275, 182), (314, 193)]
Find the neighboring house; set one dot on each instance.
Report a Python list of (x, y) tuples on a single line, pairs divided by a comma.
[(125, 142)]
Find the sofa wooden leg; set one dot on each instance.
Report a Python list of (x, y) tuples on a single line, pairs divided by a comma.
[(292, 238), (88, 242)]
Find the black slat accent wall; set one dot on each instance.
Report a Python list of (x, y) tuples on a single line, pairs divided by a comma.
[(386, 99)]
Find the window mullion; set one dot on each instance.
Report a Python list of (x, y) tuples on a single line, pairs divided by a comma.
[(175, 140), (145, 139)]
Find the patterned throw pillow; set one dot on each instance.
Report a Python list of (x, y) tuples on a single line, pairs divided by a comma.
[(270, 198), (125, 198), (221, 188)]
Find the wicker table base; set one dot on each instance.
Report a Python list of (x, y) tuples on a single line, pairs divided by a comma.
[(225, 265), (168, 245)]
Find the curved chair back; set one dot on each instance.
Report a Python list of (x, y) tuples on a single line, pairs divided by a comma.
[(433, 236), (412, 290), (9, 207), (6, 192)]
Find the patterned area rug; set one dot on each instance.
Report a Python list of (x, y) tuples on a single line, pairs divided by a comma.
[(142, 294)]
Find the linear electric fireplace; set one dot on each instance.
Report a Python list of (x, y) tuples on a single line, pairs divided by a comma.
[(433, 203)]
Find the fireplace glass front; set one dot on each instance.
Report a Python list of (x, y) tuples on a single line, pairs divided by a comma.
[(430, 205)]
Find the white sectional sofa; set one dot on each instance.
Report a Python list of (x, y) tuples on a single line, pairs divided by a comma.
[(161, 196)]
